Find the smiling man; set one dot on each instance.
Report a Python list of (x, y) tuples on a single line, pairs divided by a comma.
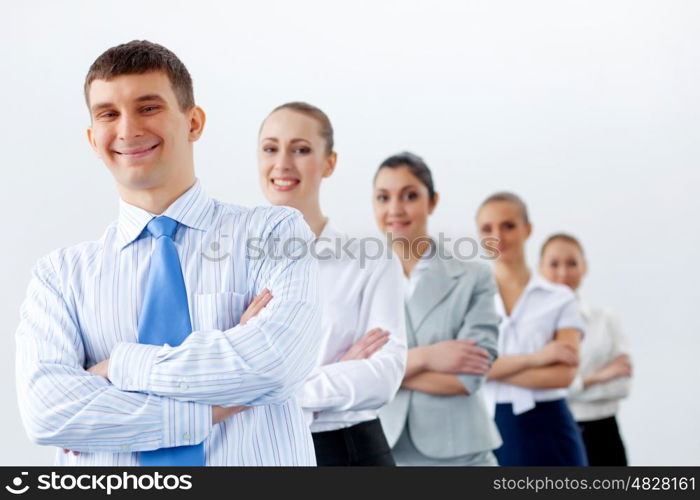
[(138, 348)]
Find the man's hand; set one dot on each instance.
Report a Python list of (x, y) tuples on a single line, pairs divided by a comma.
[(101, 368), (457, 356), (218, 414), (221, 413), (367, 345), (258, 304)]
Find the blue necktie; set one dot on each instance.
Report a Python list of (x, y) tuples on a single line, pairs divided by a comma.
[(165, 319)]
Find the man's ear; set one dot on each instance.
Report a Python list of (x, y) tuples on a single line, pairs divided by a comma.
[(330, 164), (197, 118), (91, 140)]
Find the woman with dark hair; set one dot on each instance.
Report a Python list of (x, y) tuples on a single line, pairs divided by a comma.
[(604, 371), (363, 338), (538, 347), (438, 416)]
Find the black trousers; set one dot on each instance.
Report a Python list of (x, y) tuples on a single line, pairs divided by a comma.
[(361, 444), (603, 442)]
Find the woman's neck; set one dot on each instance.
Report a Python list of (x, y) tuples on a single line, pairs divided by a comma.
[(511, 274), (410, 252), (314, 217)]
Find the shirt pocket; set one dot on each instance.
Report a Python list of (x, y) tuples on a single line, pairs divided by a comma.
[(218, 311)]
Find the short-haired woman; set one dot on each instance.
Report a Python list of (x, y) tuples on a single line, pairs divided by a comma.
[(605, 369)]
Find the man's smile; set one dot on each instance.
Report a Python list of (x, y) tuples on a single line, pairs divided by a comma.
[(137, 152)]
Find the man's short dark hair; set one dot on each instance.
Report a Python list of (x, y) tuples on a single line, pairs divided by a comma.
[(138, 57)]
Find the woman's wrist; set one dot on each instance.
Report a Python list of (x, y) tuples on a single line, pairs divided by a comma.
[(418, 361), (424, 358), (533, 360), (592, 379)]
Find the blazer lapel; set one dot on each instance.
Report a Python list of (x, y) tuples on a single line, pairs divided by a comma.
[(437, 282)]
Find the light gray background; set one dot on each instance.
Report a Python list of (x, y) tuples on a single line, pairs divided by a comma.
[(589, 109)]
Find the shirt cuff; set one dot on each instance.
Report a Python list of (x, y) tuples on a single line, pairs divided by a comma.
[(130, 365), (577, 385), (185, 422), (317, 393), (472, 383)]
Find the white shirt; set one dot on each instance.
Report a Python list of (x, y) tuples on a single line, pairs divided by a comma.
[(604, 341), (83, 305), (542, 310), (411, 281), (357, 295)]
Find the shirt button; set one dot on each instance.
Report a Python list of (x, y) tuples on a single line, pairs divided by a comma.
[(184, 386), (126, 447), (127, 382), (186, 436)]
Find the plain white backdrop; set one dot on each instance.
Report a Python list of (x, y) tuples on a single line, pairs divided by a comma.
[(588, 109)]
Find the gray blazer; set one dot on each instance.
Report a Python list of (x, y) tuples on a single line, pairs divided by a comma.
[(453, 300)]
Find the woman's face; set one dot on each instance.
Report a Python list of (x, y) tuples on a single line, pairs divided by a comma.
[(402, 203), (292, 159), (562, 262), (504, 221)]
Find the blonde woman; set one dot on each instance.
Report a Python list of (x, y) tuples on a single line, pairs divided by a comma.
[(538, 347), (363, 339)]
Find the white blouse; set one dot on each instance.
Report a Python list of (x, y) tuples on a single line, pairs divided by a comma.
[(542, 310), (411, 281), (357, 294), (604, 342)]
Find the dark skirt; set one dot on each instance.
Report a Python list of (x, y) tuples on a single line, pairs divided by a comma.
[(360, 444), (603, 442), (547, 435)]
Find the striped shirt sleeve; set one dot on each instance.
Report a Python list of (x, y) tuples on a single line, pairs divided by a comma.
[(61, 404), (264, 361)]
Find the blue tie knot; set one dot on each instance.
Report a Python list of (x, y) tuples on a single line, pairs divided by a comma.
[(162, 226)]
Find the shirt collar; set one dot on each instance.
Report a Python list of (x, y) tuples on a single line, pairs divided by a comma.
[(429, 259), (583, 308), (326, 241), (422, 264), (537, 281), (193, 209)]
